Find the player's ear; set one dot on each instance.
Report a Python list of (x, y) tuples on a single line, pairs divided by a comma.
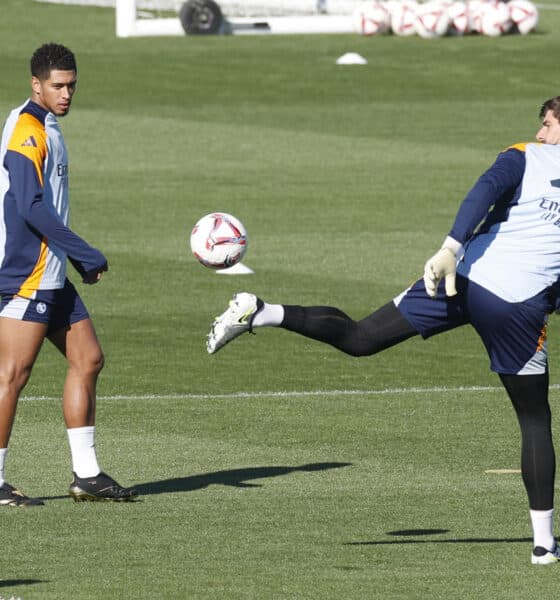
[(35, 84)]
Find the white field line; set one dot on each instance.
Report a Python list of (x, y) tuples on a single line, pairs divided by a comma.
[(297, 394)]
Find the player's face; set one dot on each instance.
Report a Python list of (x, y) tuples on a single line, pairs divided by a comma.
[(549, 133), (55, 93)]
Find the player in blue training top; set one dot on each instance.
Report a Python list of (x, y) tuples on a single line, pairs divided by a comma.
[(37, 300), (498, 270)]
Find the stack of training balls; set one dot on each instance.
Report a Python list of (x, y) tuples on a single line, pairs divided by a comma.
[(437, 18)]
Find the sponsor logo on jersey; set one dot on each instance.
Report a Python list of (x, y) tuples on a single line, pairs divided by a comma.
[(551, 211), (62, 172), (555, 183)]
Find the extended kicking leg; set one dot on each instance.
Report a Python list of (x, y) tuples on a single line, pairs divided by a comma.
[(383, 328)]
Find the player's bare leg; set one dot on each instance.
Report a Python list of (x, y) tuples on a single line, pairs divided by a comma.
[(20, 342), (80, 346)]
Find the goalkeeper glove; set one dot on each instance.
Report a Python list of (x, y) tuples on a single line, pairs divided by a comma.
[(442, 264)]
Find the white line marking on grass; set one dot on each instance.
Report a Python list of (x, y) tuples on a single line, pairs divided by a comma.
[(295, 394), (502, 471)]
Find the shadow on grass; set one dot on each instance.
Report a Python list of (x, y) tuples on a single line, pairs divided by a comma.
[(233, 477), (15, 582), (408, 533), (417, 531)]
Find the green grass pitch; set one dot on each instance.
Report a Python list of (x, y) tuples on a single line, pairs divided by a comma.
[(278, 469)]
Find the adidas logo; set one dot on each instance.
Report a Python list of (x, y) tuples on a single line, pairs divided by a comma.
[(30, 141)]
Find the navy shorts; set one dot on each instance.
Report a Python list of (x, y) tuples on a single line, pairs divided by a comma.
[(514, 333), (58, 308)]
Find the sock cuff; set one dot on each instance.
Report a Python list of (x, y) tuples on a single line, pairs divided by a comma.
[(84, 429), (541, 514), (80, 432)]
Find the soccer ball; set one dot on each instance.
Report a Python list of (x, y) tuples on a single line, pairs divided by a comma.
[(524, 14), (403, 17), (495, 18), (219, 240), (474, 13), (459, 17), (432, 19), (371, 18)]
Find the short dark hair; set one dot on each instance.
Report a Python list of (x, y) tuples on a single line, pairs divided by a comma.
[(52, 56), (554, 105)]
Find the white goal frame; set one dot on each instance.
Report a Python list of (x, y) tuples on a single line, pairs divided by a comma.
[(129, 25)]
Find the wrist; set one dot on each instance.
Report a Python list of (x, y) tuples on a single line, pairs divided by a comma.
[(452, 244)]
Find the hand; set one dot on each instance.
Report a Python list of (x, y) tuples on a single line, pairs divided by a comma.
[(94, 276), (91, 278), (442, 264)]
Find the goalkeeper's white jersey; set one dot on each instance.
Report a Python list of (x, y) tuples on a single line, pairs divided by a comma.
[(516, 252)]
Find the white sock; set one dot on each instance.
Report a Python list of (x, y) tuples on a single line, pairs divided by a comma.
[(3, 452), (82, 448), (270, 315), (542, 521)]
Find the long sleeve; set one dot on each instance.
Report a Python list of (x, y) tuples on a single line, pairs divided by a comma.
[(494, 190), (27, 191)]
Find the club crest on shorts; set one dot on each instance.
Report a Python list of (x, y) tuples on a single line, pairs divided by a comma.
[(41, 308)]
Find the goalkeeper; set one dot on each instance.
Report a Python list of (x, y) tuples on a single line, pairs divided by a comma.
[(499, 271)]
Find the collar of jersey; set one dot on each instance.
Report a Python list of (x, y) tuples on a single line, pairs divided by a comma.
[(35, 110)]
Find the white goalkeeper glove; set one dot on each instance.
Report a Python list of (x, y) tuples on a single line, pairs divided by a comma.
[(442, 264)]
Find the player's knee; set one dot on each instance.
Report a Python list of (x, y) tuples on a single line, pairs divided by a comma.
[(97, 362), (14, 376), (359, 342), (89, 363)]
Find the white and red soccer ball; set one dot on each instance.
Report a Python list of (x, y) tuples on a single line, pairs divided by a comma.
[(432, 19), (436, 18), (218, 240), (459, 16), (403, 17), (371, 18), (524, 15), (495, 19)]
